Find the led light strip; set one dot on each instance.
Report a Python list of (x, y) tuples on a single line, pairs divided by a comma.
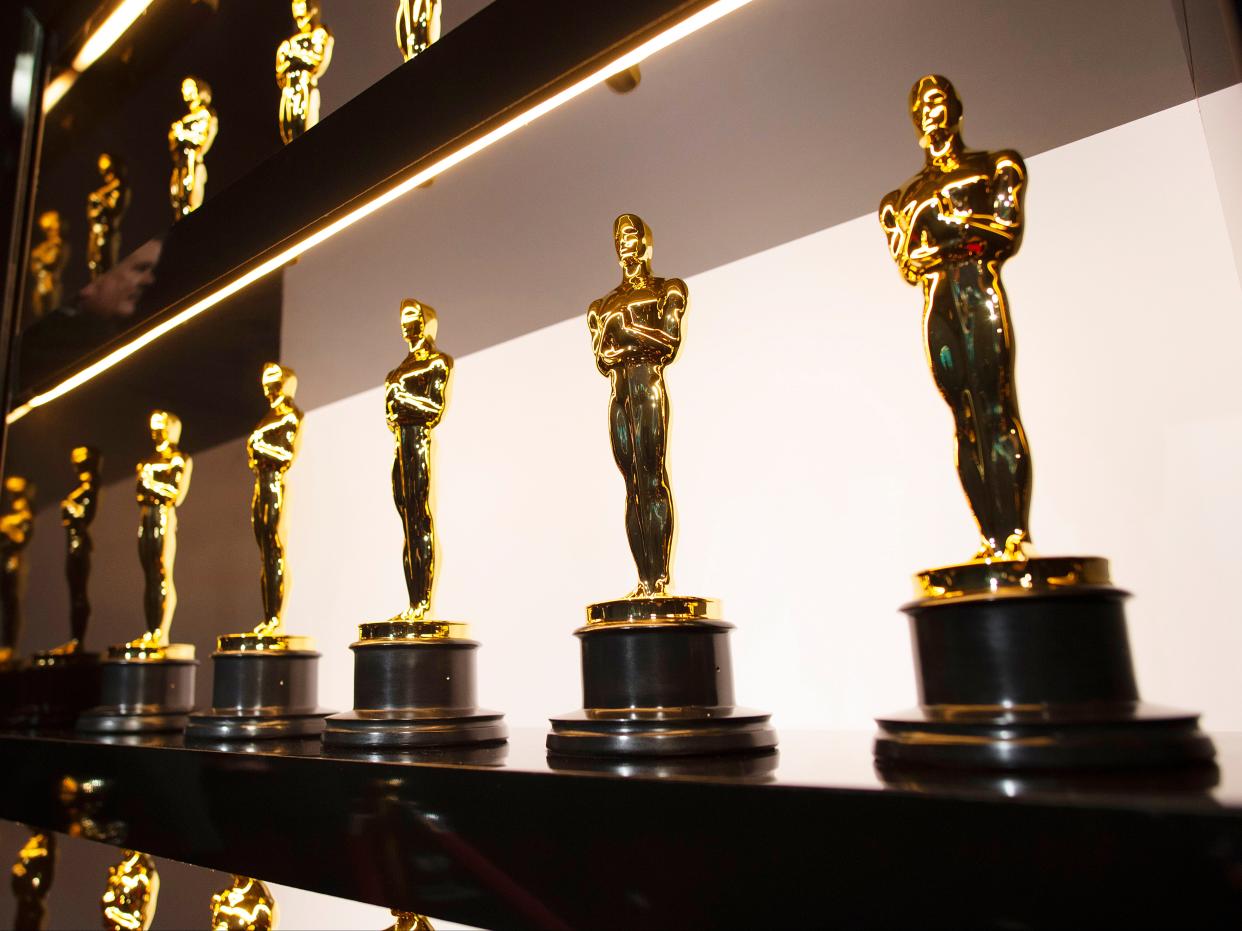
[(98, 42), (655, 44)]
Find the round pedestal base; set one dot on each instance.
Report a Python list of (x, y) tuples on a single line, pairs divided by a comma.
[(658, 688), (258, 695), (57, 688), (414, 694), (1041, 681), (142, 696)]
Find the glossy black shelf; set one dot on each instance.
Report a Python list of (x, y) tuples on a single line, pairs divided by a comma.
[(811, 837)]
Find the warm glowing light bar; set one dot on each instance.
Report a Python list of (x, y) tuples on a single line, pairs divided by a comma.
[(674, 33), (98, 42)]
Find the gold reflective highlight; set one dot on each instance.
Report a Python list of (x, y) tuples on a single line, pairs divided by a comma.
[(301, 61), (245, 905), (47, 261), (131, 894), (190, 138), (409, 921), (418, 26), (105, 206), (77, 513), (31, 879), (16, 529), (673, 34)]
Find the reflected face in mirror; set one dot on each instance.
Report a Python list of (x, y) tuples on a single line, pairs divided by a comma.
[(418, 323), (165, 428), (935, 110), (117, 292), (633, 245), (278, 382)]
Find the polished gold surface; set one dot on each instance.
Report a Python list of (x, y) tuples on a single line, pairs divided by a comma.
[(245, 905), (16, 528), (950, 228), (163, 481), (409, 921), (32, 877), (301, 61), (130, 897), (77, 512), (271, 449), (670, 608), (47, 260), (635, 332), (987, 578), (263, 643), (413, 630), (190, 139), (418, 25), (415, 395), (105, 206)]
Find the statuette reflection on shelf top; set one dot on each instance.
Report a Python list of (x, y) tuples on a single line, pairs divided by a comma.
[(190, 138), (301, 60)]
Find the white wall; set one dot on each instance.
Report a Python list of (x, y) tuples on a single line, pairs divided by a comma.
[(811, 458)]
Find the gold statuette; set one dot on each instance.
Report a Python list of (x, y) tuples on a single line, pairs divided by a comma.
[(409, 921), (301, 61), (950, 228), (16, 528), (47, 261), (415, 394), (77, 512), (105, 207), (418, 25), (635, 332), (130, 897), (163, 481), (189, 139), (32, 880), (245, 905)]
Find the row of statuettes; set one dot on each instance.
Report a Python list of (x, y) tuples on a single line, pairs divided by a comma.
[(1023, 661)]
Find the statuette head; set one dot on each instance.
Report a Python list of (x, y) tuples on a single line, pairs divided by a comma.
[(18, 486), (305, 13), (278, 382), (165, 428), (195, 91), (85, 460), (633, 240), (418, 322), (935, 109), (49, 222)]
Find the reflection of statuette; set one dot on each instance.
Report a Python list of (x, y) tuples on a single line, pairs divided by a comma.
[(163, 481), (47, 261), (16, 528), (130, 897), (1023, 661), (105, 207), (657, 675), (409, 921), (418, 25), (189, 139), (32, 880), (245, 905), (301, 61), (77, 512)]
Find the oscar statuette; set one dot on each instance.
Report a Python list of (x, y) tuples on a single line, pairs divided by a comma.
[(48, 258), (148, 683), (266, 682), (418, 26), (657, 677), (131, 894), (32, 877), (414, 677), (16, 529), (1022, 661), (244, 905), (105, 207), (65, 681), (301, 61), (190, 138)]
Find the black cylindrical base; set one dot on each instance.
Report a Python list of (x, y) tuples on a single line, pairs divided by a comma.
[(57, 688), (414, 693), (261, 694), (142, 696), (1032, 682), (658, 689)]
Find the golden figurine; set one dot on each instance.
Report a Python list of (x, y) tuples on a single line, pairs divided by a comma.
[(409, 921), (16, 528), (418, 26), (190, 139), (301, 61), (77, 512), (105, 206), (950, 228), (47, 261), (271, 449), (130, 897), (163, 481), (635, 333), (415, 393), (32, 880), (245, 905)]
